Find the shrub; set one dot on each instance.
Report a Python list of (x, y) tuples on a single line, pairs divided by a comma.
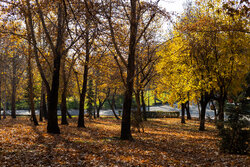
[(235, 135)]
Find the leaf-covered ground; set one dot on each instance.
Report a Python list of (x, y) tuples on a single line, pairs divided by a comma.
[(165, 143)]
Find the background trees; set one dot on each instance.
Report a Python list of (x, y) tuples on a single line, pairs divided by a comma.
[(95, 51), (204, 54)]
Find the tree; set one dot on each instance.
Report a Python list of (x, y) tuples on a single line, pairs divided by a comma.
[(30, 87), (125, 53), (91, 28), (66, 71), (202, 57), (43, 105), (58, 49), (90, 97)]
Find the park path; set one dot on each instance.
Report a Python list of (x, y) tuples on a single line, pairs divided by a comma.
[(193, 111)]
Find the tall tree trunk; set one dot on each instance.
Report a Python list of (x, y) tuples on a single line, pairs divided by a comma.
[(215, 112), (125, 127), (57, 50), (64, 109), (13, 93), (90, 96), (43, 108), (69, 115), (199, 110), (143, 106), (113, 109), (221, 101), (44, 102), (138, 105), (52, 126), (101, 103), (95, 103), (155, 99), (5, 99), (41, 114), (94, 109), (183, 113), (113, 99), (57, 53), (98, 109), (81, 110), (94, 112), (205, 98), (4, 110), (202, 119), (85, 75), (31, 89), (188, 111), (113, 103), (98, 112), (64, 97), (0, 96)]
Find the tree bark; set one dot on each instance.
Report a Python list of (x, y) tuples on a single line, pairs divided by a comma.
[(64, 109), (4, 110), (52, 126), (98, 112), (183, 113), (188, 111), (113, 99), (95, 101), (113, 106), (205, 98), (13, 85), (81, 110), (85, 76), (199, 110), (221, 101), (5, 99), (125, 127), (44, 102), (202, 119), (57, 50), (90, 97), (0, 96), (113, 109), (31, 89), (41, 114), (69, 115), (215, 112), (99, 108), (101, 103), (64, 97), (43, 108), (138, 104), (143, 106)]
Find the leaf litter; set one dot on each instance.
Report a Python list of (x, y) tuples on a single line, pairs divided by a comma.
[(166, 142)]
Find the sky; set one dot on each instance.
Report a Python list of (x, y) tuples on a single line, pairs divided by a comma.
[(175, 6), (172, 5)]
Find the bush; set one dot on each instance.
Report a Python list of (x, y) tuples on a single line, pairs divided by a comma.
[(136, 121), (162, 114), (72, 104), (235, 135)]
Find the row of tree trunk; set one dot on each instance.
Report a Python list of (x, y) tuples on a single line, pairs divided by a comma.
[(202, 105)]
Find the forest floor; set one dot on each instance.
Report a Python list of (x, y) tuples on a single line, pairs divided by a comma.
[(166, 142)]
